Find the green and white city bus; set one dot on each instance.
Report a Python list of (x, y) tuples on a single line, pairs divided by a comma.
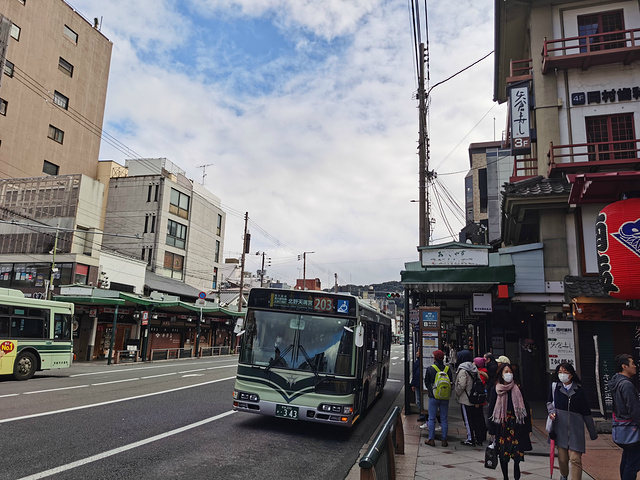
[(311, 355), (34, 334)]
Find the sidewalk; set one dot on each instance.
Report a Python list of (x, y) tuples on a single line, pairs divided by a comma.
[(457, 462)]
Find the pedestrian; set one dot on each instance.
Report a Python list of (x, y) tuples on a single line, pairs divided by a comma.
[(466, 373), (569, 409), (509, 421), (453, 355), (626, 406), (491, 365), (481, 433), (439, 390), (415, 385)]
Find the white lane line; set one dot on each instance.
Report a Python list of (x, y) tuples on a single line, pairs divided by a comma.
[(114, 381), (55, 389), (222, 366), (10, 395), (129, 369), (124, 448), (108, 402), (393, 380), (197, 370), (160, 375)]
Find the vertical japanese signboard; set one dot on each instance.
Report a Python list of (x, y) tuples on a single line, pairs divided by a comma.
[(560, 343), (429, 343), (520, 122)]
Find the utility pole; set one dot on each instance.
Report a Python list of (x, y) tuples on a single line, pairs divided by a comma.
[(335, 286), (262, 269), (423, 155), (245, 248), (204, 170), (53, 264), (304, 270)]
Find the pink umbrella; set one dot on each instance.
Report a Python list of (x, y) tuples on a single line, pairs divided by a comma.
[(552, 455)]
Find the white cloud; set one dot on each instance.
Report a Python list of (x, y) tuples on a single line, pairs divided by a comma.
[(326, 160)]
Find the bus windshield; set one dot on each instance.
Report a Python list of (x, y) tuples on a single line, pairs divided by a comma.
[(320, 344)]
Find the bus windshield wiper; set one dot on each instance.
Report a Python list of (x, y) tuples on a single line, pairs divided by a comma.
[(308, 360), (280, 357)]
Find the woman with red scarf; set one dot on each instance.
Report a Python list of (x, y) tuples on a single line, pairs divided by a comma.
[(509, 422)]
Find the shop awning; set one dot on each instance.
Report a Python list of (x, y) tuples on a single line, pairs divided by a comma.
[(176, 306), (458, 279), (88, 300), (604, 187)]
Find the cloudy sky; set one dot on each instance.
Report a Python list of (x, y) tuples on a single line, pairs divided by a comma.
[(307, 111)]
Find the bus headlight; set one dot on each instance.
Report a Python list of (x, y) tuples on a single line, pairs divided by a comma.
[(247, 397), (340, 409)]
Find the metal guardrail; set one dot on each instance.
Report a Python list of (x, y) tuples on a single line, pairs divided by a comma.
[(211, 351), (378, 463)]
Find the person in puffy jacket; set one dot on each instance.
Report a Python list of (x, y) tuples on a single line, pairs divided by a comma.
[(569, 408), (626, 406), (471, 414)]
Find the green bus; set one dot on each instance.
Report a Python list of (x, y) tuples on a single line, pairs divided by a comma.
[(311, 355), (34, 334)]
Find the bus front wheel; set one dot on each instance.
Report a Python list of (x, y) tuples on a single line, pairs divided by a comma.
[(25, 366)]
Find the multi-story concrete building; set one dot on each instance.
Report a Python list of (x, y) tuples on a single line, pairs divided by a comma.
[(53, 90), (570, 71), (180, 224)]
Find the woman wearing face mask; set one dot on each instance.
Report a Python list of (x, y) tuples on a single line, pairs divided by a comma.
[(568, 407), (509, 422)]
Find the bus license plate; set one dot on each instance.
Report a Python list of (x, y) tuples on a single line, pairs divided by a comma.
[(287, 411)]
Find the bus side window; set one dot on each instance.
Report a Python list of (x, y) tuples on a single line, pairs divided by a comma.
[(4, 326), (61, 327)]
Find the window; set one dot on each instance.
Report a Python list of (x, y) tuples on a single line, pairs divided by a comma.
[(216, 257), (219, 225), (173, 265), (176, 234), (50, 168), (15, 32), (155, 194), (8, 68), (179, 204), (148, 253), (70, 34), (29, 322), (149, 223), (614, 129), (60, 100), (82, 274), (65, 67), (214, 283), (3, 106), (61, 326), (149, 193), (56, 134), (604, 22)]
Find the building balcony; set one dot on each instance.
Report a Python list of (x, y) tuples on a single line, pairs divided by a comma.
[(590, 50), (520, 70), (610, 156), (524, 168)]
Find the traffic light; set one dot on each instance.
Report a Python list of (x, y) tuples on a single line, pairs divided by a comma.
[(394, 295)]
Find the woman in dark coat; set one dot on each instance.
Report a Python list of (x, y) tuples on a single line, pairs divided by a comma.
[(509, 421), (569, 408)]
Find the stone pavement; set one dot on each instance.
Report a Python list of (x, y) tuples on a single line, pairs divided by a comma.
[(457, 462)]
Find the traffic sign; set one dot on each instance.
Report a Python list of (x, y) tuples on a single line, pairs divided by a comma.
[(202, 295)]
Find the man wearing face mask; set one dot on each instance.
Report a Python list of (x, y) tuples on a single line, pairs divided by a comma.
[(569, 408)]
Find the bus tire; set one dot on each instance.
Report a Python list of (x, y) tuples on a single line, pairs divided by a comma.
[(25, 366)]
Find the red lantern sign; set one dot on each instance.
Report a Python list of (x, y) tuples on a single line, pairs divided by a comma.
[(618, 245)]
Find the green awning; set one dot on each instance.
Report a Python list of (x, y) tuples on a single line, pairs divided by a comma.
[(459, 279), (88, 300)]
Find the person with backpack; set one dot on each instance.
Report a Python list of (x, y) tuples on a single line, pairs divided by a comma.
[(470, 394), (438, 380), (509, 421)]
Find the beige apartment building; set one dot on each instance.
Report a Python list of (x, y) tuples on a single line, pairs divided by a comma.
[(52, 91)]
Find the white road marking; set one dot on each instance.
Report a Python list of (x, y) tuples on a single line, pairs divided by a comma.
[(114, 381), (160, 375), (197, 370), (192, 375), (108, 402), (10, 395), (124, 448), (55, 389), (128, 369), (393, 380)]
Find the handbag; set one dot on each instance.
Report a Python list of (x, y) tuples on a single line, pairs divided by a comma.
[(624, 432), (491, 456)]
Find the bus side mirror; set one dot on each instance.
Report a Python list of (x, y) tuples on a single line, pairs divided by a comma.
[(359, 336)]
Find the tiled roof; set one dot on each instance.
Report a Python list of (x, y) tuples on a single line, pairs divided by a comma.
[(538, 187), (575, 287)]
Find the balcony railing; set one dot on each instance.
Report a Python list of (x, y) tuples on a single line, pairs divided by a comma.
[(593, 157), (591, 50), (520, 70), (524, 168)]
